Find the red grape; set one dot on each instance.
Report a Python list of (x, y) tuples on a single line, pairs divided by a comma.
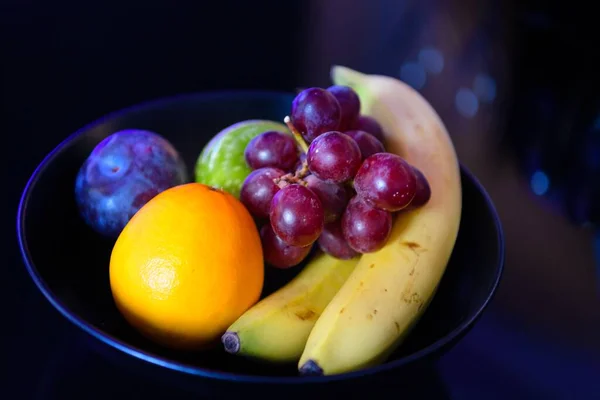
[(333, 157), (258, 190), (386, 181), (279, 254), (349, 105), (332, 242), (333, 196), (315, 111), (423, 190), (367, 143), (297, 215), (368, 124), (272, 149), (365, 228)]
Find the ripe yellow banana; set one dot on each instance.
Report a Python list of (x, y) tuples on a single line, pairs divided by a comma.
[(389, 289), (276, 328)]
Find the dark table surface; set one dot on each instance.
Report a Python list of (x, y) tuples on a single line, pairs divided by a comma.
[(540, 338)]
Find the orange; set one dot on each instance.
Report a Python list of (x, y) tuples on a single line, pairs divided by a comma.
[(186, 266)]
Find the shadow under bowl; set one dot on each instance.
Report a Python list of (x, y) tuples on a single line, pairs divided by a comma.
[(68, 261)]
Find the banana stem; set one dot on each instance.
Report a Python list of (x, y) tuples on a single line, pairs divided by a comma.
[(297, 135)]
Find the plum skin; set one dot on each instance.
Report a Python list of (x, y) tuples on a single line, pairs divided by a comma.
[(121, 174)]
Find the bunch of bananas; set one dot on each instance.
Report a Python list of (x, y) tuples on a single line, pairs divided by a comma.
[(337, 315)]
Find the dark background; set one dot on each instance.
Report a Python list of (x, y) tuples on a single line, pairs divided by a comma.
[(533, 142)]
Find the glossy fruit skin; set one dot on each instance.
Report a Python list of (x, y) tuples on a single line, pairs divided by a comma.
[(370, 125), (365, 228), (386, 181), (367, 143), (122, 173), (334, 157), (332, 242), (349, 105), (279, 254), (276, 328), (222, 164), (297, 215), (272, 149), (333, 196), (258, 191), (423, 193), (186, 266), (399, 280), (314, 112)]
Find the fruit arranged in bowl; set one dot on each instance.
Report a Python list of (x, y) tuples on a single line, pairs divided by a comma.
[(324, 246), (400, 249)]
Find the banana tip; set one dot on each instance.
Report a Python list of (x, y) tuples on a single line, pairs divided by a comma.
[(342, 75), (231, 342), (310, 368)]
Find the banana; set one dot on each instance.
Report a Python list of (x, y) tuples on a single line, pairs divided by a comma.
[(276, 328), (390, 289)]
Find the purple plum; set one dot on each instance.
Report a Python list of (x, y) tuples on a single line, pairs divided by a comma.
[(123, 172)]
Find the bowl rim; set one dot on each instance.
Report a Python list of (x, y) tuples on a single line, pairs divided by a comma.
[(188, 369)]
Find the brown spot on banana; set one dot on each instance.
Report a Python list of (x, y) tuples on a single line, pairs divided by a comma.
[(416, 298), (415, 247), (411, 298), (408, 290), (306, 314)]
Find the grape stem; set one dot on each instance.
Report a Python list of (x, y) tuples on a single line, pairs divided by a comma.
[(296, 178), (303, 172), (300, 174), (287, 179), (297, 135)]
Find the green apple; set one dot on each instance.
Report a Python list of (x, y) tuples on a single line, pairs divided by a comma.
[(221, 163)]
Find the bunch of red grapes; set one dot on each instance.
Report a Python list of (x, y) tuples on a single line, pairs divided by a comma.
[(334, 184)]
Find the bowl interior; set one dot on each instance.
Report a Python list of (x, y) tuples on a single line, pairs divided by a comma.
[(69, 262)]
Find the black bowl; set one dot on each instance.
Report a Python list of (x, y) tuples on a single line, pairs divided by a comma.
[(69, 262)]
